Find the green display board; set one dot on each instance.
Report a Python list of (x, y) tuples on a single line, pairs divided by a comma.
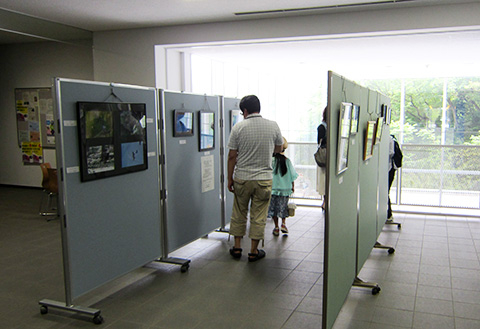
[(356, 186)]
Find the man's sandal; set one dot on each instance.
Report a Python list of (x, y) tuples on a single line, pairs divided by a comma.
[(254, 257), (236, 252)]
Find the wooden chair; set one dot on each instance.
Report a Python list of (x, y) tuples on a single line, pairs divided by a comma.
[(50, 190)]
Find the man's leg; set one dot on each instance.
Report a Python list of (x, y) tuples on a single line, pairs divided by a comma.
[(391, 177), (238, 221), (254, 246), (258, 212)]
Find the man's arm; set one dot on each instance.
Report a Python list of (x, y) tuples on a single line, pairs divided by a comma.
[(278, 148), (232, 160)]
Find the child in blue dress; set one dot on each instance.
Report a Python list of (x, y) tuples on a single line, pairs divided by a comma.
[(283, 186)]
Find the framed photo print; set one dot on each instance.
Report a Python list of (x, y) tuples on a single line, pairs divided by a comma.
[(388, 117), (369, 139), (355, 117), (343, 136), (206, 124), (235, 117), (378, 130), (112, 138), (182, 123)]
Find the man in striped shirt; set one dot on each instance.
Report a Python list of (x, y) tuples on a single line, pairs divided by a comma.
[(251, 146)]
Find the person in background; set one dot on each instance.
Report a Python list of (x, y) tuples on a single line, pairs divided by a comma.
[(284, 176), (251, 145), (322, 141), (395, 161)]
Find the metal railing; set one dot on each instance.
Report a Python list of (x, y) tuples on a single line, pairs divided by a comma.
[(431, 175)]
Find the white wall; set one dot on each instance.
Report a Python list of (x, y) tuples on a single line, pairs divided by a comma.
[(32, 65), (128, 56)]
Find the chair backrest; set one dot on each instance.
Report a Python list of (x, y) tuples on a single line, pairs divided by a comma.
[(45, 167), (52, 180)]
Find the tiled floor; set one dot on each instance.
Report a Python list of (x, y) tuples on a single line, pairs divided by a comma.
[(431, 281)]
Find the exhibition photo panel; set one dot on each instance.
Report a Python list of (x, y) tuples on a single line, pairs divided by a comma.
[(182, 123), (369, 140), (206, 124), (343, 136), (112, 138)]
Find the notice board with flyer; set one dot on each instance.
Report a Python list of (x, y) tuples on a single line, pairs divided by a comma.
[(35, 122)]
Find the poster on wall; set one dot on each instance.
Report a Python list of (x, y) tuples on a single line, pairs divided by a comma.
[(112, 137), (32, 153), (35, 118)]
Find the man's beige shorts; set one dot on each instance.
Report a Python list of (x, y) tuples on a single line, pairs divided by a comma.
[(259, 192)]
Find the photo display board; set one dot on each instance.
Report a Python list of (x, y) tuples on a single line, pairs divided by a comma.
[(112, 139), (357, 195), (191, 173), (109, 226)]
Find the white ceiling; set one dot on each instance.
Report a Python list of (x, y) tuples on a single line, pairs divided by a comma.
[(101, 15), (451, 52)]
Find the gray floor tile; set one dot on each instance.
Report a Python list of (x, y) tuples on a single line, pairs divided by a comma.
[(432, 321), (466, 296), (434, 306), (435, 292), (467, 311), (461, 323), (388, 316), (304, 321)]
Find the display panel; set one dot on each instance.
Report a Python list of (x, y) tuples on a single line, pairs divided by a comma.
[(182, 123), (207, 130), (369, 140), (112, 139), (343, 136)]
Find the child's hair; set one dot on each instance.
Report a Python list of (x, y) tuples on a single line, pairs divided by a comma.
[(281, 164)]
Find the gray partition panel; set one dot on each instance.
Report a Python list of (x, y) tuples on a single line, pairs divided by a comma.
[(111, 226), (355, 197), (229, 104), (341, 215), (190, 211)]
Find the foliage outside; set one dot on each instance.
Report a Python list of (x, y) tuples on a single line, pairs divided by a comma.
[(424, 105)]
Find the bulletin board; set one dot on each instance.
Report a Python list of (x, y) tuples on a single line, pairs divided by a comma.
[(35, 122)]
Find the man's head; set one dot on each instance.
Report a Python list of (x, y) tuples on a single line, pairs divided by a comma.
[(250, 104)]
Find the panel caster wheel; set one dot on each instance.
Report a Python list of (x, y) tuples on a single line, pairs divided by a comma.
[(98, 319), (399, 225), (375, 290), (391, 250), (184, 268), (43, 309)]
